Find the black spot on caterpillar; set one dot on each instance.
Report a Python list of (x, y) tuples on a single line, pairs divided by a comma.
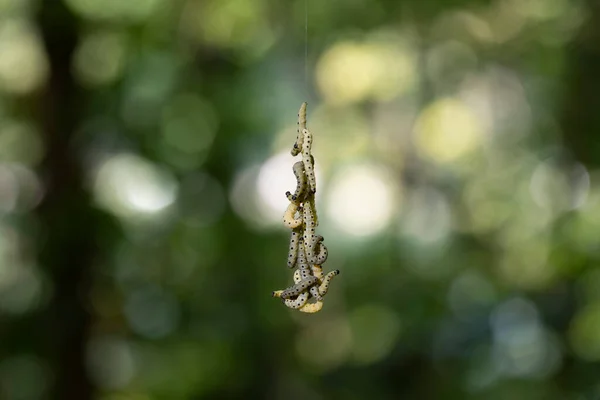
[(299, 287), (325, 285), (289, 216), (298, 195), (295, 240), (301, 126), (306, 159), (318, 252)]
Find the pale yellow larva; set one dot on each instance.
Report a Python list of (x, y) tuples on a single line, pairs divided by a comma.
[(289, 217), (306, 159), (311, 308), (297, 148), (325, 285), (317, 271), (301, 187)]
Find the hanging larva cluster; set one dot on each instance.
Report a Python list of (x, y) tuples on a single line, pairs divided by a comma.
[(306, 251)]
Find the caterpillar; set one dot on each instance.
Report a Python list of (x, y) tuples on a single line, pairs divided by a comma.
[(300, 185), (306, 159), (301, 126), (311, 308), (320, 257), (314, 292), (303, 266), (311, 201), (298, 288), (288, 216), (325, 285), (309, 229), (297, 278), (295, 239), (298, 302)]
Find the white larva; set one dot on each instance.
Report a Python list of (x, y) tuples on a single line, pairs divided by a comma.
[(306, 159), (314, 292), (298, 302), (295, 240), (289, 216), (297, 148), (299, 287), (311, 201), (325, 285), (297, 279), (303, 265), (318, 254), (298, 195), (309, 230)]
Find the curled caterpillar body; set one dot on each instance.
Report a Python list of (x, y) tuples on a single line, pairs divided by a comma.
[(295, 240), (308, 161), (318, 252), (311, 308), (297, 148), (298, 195), (325, 285), (298, 302), (298, 288), (289, 216)]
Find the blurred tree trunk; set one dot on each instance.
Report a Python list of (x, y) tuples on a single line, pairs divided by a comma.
[(67, 246), (580, 120)]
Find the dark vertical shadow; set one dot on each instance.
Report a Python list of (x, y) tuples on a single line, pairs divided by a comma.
[(67, 248), (580, 119)]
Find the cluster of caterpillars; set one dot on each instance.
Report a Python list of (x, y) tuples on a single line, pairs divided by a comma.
[(306, 252)]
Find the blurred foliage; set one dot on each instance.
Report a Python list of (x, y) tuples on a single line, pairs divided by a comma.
[(144, 157)]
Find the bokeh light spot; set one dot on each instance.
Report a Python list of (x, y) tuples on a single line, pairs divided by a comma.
[(23, 65), (100, 58), (362, 199), (128, 185), (447, 129)]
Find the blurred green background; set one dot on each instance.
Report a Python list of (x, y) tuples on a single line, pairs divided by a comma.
[(144, 157)]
